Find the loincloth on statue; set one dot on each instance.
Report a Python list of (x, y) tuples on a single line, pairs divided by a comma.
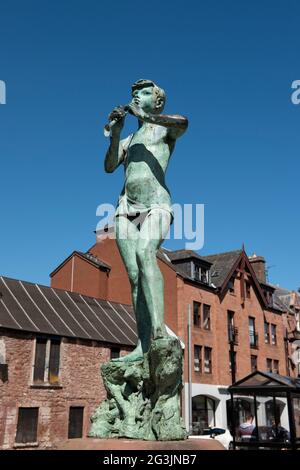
[(136, 212)]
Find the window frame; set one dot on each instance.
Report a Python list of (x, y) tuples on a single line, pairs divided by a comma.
[(275, 369), (273, 336), (208, 349), (267, 332), (198, 323), (22, 421), (71, 433), (198, 347), (207, 328), (114, 355), (253, 344), (269, 361), (253, 356), (50, 360)]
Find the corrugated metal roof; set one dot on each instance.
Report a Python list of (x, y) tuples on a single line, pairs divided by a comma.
[(40, 309)]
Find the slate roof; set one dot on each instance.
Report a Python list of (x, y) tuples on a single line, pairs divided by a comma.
[(167, 257), (221, 265), (285, 298), (185, 254), (39, 309)]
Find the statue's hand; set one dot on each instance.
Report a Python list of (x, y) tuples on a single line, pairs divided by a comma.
[(136, 111), (118, 114)]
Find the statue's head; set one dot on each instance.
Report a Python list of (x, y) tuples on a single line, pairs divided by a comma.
[(149, 96)]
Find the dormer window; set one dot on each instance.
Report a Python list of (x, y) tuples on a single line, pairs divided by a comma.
[(269, 297), (201, 274)]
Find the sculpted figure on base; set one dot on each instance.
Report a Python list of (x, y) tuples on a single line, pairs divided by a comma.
[(143, 387), (144, 213)]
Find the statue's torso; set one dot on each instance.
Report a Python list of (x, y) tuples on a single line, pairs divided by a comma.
[(147, 156)]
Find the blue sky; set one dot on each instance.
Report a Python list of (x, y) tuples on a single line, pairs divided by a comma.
[(227, 65)]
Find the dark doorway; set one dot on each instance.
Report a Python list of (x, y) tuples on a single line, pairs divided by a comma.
[(27, 425), (75, 422)]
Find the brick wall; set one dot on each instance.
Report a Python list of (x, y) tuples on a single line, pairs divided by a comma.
[(79, 275), (80, 380)]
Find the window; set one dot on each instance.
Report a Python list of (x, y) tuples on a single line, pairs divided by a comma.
[(203, 414), (75, 422), (196, 272), (232, 361), (46, 361), (207, 360), (197, 314), (201, 274), (230, 326), (252, 333), (197, 359), (270, 298), (231, 285), (267, 332), (53, 372), (27, 425), (40, 359), (206, 317), (248, 289), (269, 365), (204, 275), (276, 366), (273, 334), (114, 353), (273, 365), (253, 363)]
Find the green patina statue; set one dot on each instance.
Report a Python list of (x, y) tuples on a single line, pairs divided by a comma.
[(143, 387)]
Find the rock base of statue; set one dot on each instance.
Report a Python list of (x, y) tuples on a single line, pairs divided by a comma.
[(143, 396)]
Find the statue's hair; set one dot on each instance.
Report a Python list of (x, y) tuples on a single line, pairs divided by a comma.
[(159, 92)]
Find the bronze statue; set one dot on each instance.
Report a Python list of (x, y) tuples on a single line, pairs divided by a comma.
[(144, 213)]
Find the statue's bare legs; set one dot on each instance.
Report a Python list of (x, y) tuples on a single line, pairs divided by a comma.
[(138, 250)]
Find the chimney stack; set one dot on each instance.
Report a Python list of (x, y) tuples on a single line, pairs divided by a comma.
[(258, 264)]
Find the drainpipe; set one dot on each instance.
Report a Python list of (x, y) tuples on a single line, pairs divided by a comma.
[(72, 273), (190, 369), (233, 371)]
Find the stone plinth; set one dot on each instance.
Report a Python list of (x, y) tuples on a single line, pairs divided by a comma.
[(143, 396), (131, 444)]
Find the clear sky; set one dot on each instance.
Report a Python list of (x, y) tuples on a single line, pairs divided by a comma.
[(227, 65)]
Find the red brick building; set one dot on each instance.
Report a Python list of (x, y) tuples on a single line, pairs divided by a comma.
[(238, 320)]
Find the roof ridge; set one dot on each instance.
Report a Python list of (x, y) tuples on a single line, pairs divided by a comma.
[(222, 253)]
